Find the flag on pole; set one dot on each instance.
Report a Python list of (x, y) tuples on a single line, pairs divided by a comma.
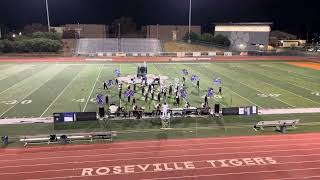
[(195, 78), (184, 72), (100, 99), (109, 83), (210, 92), (183, 93), (217, 81), (117, 72), (129, 93)]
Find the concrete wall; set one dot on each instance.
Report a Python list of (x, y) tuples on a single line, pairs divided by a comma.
[(169, 32), (90, 30)]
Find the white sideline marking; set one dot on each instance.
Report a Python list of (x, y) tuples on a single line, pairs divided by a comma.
[(66, 87), (31, 92), (88, 99)]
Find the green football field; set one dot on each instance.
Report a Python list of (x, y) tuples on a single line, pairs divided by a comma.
[(40, 89)]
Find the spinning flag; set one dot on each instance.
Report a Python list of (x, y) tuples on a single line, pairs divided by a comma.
[(100, 99), (109, 83), (217, 81), (210, 92), (183, 93), (184, 72), (195, 78), (129, 93), (117, 73)]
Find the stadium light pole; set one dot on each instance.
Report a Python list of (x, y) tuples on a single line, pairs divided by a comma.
[(48, 18), (190, 11)]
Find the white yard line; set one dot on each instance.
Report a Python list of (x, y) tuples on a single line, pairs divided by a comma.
[(257, 90), (16, 71), (88, 99), (239, 96), (244, 97), (66, 87), (20, 82), (30, 93), (264, 92), (285, 89), (286, 81), (291, 93)]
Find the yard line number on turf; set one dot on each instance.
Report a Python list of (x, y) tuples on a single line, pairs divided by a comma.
[(25, 102), (12, 102)]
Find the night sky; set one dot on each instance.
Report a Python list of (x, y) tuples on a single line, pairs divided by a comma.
[(290, 15)]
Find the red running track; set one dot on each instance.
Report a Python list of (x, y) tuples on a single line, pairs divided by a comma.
[(256, 157)]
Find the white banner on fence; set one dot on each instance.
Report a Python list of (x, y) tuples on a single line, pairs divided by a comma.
[(212, 53), (109, 54), (227, 53), (181, 54), (100, 54), (119, 54), (196, 54)]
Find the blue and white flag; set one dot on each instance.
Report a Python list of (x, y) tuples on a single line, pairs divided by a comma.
[(184, 72), (210, 92), (100, 99), (183, 93), (109, 83), (117, 72), (129, 93), (217, 81), (195, 78)]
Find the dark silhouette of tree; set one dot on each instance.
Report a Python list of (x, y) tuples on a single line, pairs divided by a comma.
[(32, 28), (127, 26)]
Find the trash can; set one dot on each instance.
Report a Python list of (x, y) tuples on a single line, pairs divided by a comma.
[(5, 141), (283, 129), (64, 139)]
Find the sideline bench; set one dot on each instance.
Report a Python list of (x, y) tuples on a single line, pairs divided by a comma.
[(276, 124), (67, 138)]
